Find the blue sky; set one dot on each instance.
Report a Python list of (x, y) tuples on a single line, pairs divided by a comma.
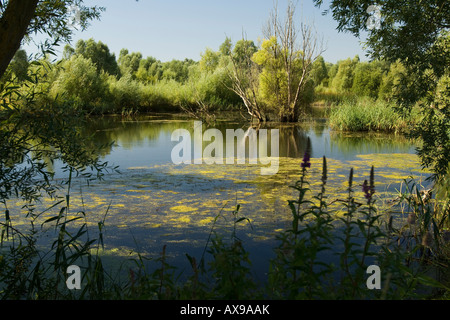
[(178, 29)]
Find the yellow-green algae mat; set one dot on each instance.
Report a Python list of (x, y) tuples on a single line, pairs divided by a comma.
[(180, 203)]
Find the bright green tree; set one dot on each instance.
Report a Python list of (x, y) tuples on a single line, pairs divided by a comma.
[(150, 70), (177, 70), (129, 62), (209, 60), (367, 79), (226, 47), (99, 54), (286, 57), (343, 80), (319, 71), (79, 82)]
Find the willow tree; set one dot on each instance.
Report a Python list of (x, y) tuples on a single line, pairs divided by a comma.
[(288, 52)]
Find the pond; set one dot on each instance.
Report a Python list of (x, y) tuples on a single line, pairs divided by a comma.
[(154, 202)]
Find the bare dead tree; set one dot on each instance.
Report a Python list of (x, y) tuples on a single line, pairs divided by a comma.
[(297, 47)]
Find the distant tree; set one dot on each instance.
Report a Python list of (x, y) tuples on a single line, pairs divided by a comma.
[(367, 79), (99, 54), (209, 60), (343, 80), (68, 52), (319, 71), (129, 62), (177, 70), (147, 70), (332, 69), (19, 64), (79, 82), (225, 47), (243, 51), (18, 68)]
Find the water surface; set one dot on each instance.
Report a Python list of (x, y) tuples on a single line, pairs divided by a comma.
[(154, 202)]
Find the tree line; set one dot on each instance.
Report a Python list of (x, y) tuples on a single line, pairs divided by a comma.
[(90, 77)]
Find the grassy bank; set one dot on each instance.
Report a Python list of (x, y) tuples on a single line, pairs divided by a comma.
[(365, 114)]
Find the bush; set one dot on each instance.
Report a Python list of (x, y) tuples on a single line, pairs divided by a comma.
[(79, 83)]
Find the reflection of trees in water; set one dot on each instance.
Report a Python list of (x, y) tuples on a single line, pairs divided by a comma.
[(351, 143), (292, 138), (36, 141), (131, 132), (293, 141)]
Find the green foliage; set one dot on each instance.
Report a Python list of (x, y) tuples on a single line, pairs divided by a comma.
[(278, 87), (129, 62), (434, 129), (226, 47), (209, 60), (34, 135), (393, 82), (243, 51), (408, 31), (99, 54), (343, 81), (53, 18), (417, 36), (125, 93), (19, 65), (366, 80), (79, 82), (365, 114), (319, 71)]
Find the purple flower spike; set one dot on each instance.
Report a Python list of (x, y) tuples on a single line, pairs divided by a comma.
[(306, 161), (367, 190)]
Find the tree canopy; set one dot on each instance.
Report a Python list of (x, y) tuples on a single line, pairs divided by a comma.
[(21, 19), (416, 34)]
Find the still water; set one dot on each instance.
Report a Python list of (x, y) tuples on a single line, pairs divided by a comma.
[(153, 202)]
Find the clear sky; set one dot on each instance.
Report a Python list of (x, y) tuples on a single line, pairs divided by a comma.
[(179, 29)]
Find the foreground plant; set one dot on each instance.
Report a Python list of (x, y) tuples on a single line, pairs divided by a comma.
[(305, 265)]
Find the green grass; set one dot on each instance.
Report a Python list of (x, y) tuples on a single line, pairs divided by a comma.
[(364, 114)]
